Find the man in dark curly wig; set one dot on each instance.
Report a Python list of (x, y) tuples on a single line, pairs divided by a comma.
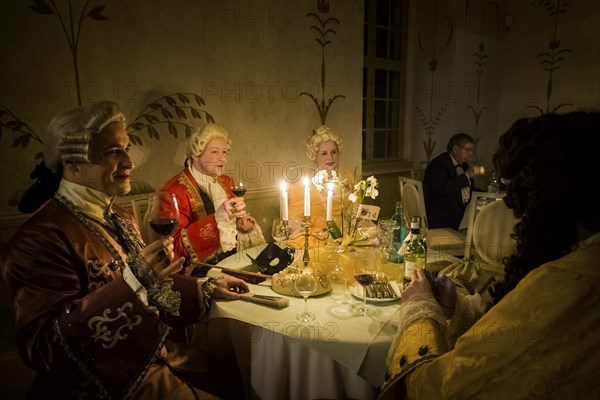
[(540, 337)]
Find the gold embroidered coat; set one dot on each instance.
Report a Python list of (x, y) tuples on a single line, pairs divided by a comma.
[(541, 341), (197, 235), (79, 325)]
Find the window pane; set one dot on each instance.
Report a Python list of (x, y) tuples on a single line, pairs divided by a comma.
[(364, 145), (383, 144), (380, 84), (366, 12), (394, 85), (394, 114), (366, 41), (379, 144), (395, 14), (364, 115), (381, 44), (380, 117), (383, 9), (395, 45)]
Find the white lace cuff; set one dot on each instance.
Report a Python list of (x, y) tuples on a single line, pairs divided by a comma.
[(227, 229), (420, 306)]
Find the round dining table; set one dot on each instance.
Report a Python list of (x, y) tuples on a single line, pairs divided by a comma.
[(338, 355)]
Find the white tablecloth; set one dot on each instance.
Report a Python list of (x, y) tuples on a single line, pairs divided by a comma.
[(339, 356)]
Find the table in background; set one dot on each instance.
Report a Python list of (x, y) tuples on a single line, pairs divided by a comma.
[(340, 356)]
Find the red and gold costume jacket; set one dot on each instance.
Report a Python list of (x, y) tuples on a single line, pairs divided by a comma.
[(197, 235)]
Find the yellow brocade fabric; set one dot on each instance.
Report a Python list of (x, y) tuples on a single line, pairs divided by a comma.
[(541, 341)]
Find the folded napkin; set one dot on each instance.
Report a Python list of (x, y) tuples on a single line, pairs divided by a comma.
[(463, 273), (273, 301)]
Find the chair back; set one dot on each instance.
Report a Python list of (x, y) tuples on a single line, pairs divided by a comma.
[(444, 240), (411, 196), (490, 224)]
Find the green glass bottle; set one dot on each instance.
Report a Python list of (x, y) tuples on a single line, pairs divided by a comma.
[(416, 251), (400, 230)]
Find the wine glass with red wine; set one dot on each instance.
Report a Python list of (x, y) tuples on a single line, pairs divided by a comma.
[(364, 275), (163, 212), (239, 189)]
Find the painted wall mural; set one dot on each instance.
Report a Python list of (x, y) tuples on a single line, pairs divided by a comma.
[(176, 113), (324, 30), (489, 17), (440, 30), (551, 59)]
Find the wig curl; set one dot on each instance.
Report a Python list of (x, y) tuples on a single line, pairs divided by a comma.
[(318, 136)]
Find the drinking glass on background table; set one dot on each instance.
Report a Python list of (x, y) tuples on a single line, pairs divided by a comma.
[(385, 229), (364, 274), (305, 285), (163, 212), (339, 284)]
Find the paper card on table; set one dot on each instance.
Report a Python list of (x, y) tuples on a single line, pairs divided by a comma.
[(368, 212)]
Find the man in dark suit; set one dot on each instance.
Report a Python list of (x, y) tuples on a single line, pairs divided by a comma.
[(448, 183)]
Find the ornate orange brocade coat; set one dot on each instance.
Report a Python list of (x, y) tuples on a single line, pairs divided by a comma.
[(197, 235), (79, 325)]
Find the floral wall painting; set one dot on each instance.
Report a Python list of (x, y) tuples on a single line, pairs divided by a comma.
[(434, 36), (551, 59), (176, 113), (324, 27), (71, 27), (488, 13)]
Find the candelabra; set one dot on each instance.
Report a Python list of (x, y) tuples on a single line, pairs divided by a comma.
[(306, 225)]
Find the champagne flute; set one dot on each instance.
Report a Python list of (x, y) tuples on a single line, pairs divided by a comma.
[(364, 275), (306, 284), (163, 212)]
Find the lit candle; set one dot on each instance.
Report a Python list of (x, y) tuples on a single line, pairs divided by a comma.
[(283, 206), (306, 197), (329, 201)]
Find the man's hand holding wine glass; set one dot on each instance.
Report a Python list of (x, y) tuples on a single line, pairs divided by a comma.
[(235, 208), (159, 255)]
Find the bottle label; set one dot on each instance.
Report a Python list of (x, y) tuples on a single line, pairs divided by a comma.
[(411, 265)]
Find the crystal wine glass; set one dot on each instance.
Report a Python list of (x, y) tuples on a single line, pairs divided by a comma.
[(163, 212), (278, 231), (239, 189), (338, 282), (306, 284), (364, 275)]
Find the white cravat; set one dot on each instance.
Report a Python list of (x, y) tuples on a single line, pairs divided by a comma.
[(466, 191), (226, 225)]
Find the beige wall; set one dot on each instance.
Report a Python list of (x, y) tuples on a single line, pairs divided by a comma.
[(510, 79), (248, 60)]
